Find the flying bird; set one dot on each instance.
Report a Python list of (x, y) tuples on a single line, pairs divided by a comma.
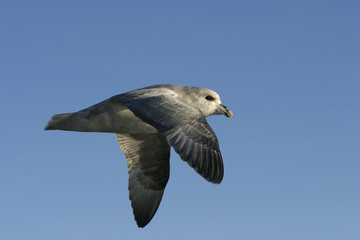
[(147, 122)]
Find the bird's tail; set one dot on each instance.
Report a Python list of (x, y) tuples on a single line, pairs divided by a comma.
[(102, 117), (93, 119), (61, 122)]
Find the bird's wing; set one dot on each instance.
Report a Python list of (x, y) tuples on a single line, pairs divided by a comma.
[(147, 156), (184, 126), (196, 143)]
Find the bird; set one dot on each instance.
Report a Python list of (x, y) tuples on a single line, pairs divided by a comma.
[(147, 123)]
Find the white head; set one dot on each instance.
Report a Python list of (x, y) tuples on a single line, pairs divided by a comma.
[(206, 100)]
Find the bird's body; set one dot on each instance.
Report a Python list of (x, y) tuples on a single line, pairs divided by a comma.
[(147, 122)]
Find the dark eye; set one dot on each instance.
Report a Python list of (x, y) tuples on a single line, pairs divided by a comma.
[(209, 98)]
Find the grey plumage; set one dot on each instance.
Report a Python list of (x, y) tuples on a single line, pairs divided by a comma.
[(146, 122)]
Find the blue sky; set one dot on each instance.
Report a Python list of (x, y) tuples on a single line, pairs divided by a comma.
[(289, 70)]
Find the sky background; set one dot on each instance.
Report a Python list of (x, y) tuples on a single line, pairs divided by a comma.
[(289, 71)]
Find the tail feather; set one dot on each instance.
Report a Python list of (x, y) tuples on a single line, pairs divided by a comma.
[(102, 117), (59, 122)]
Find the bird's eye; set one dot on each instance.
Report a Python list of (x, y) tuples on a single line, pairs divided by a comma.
[(209, 98)]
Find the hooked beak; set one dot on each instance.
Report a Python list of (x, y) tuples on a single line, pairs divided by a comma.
[(223, 110)]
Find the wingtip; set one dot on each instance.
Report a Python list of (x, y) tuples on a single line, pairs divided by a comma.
[(141, 221), (215, 180), (141, 224)]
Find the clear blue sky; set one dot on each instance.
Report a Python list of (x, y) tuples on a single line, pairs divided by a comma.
[(289, 70)]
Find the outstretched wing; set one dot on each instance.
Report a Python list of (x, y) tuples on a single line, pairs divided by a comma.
[(184, 126), (147, 156), (196, 143)]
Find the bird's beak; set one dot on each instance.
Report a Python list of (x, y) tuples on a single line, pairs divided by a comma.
[(223, 110)]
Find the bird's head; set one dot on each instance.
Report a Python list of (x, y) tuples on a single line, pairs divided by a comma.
[(206, 100)]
